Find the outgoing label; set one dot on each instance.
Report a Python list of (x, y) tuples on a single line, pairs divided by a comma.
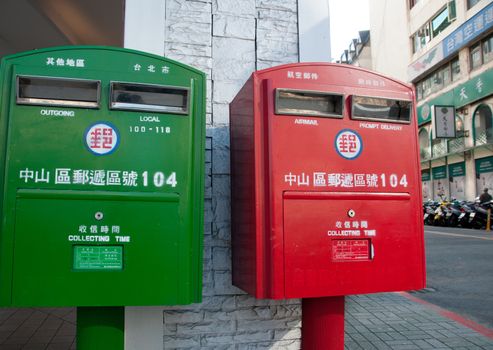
[(350, 249)]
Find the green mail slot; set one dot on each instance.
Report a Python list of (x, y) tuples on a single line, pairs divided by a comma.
[(102, 176)]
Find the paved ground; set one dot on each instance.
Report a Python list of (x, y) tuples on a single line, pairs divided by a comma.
[(393, 321), (460, 271), (36, 329), (379, 321)]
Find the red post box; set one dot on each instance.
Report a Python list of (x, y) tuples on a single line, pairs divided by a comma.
[(326, 192)]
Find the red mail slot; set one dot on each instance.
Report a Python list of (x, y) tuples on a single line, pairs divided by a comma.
[(326, 195)]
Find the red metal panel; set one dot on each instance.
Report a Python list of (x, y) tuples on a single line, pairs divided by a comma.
[(304, 187), (311, 230)]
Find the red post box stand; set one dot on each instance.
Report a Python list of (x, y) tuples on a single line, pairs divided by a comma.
[(322, 323)]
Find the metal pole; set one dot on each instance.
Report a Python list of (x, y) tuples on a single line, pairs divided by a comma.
[(100, 328), (322, 323), (488, 221)]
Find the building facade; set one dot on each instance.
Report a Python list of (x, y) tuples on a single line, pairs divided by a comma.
[(449, 59), (359, 51)]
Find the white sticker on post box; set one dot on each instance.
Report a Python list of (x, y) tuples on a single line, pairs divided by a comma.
[(350, 249)]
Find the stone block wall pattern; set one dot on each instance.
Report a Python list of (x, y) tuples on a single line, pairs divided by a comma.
[(228, 40)]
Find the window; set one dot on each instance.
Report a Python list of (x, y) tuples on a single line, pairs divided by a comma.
[(433, 27), (471, 3), (483, 126), (440, 22), (481, 53), (421, 37), (424, 144), (438, 79), (455, 67), (488, 49), (475, 56), (309, 103)]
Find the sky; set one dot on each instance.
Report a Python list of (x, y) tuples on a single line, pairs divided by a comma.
[(347, 18)]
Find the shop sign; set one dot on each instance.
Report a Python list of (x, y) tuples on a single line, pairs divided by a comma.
[(484, 165), (457, 169), (444, 121), (474, 89), (425, 175), (468, 31), (439, 172)]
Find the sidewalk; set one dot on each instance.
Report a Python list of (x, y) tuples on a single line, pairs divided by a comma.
[(379, 321), (37, 329), (394, 321)]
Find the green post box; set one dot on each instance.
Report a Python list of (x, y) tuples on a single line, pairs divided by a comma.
[(102, 177)]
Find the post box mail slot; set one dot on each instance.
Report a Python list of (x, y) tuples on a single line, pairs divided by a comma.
[(102, 176), (325, 183)]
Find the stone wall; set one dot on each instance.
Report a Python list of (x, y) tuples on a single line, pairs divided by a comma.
[(228, 40)]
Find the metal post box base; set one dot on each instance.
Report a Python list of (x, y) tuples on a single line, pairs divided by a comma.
[(100, 328), (322, 323)]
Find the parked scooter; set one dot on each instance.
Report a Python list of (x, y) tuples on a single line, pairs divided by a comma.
[(429, 208), (479, 218), (440, 218), (467, 208), (453, 212)]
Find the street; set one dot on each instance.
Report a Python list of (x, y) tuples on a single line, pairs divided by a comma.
[(460, 272)]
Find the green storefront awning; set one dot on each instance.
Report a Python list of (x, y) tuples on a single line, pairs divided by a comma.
[(424, 111), (472, 90)]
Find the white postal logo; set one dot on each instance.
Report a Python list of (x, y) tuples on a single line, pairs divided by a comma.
[(348, 144), (101, 138)]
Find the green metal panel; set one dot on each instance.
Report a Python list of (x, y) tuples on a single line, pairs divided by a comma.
[(141, 199)]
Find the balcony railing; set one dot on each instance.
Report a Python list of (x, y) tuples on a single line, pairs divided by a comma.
[(484, 137), (425, 154), (439, 149), (456, 145)]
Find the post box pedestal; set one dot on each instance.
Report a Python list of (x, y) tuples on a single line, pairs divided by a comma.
[(323, 323), (100, 328)]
